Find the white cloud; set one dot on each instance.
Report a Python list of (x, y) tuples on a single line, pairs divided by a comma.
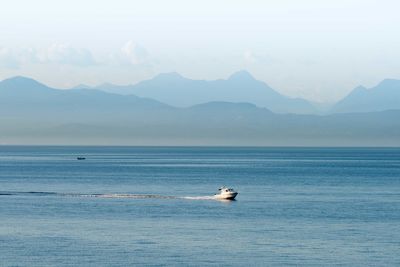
[(66, 54), (14, 58), (249, 57), (133, 54), (8, 59)]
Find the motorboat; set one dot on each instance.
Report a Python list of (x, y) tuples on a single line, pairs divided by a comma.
[(226, 193), (80, 158)]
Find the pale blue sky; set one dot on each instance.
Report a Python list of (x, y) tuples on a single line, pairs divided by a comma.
[(318, 50)]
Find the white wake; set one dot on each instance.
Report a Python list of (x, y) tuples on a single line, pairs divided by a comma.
[(200, 198), (111, 195)]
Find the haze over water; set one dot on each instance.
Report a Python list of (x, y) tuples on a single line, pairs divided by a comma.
[(297, 206)]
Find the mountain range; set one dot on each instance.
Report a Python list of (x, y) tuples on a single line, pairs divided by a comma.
[(33, 113), (384, 96), (175, 90)]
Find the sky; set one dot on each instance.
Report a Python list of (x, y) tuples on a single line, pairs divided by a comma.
[(318, 50)]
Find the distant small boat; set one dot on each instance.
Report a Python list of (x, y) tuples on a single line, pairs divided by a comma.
[(226, 193), (80, 158)]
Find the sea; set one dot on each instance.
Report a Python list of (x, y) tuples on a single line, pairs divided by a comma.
[(154, 206)]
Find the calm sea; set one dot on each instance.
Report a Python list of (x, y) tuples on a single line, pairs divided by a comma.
[(297, 206)]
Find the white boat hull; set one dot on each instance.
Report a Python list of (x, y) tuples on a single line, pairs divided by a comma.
[(229, 195)]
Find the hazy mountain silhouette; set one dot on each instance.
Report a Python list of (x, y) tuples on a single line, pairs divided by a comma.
[(32, 113), (175, 90), (384, 96), (23, 96)]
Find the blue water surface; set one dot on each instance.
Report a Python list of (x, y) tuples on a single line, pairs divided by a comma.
[(297, 206)]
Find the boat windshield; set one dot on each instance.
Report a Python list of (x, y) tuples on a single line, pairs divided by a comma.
[(226, 189)]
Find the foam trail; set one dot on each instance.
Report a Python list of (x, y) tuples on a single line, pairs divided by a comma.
[(136, 196), (200, 198), (132, 196), (143, 196)]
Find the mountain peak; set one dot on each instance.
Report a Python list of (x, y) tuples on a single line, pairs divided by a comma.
[(169, 76), (21, 82), (389, 83), (241, 75), (360, 88), (19, 79), (384, 96)]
